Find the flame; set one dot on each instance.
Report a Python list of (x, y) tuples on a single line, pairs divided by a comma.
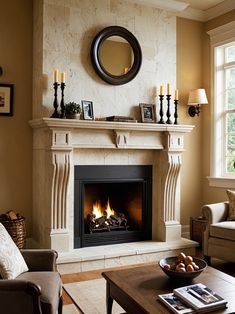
[(109, 210), (97, 210)]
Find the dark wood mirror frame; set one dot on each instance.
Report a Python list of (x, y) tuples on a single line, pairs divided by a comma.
[(95, 53)]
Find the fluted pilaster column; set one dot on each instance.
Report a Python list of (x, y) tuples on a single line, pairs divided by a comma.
[(61, 165), (168, 188), (60, 152)]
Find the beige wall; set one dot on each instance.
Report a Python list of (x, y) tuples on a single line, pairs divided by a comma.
[(194, 71), (15, 133), (189, 76)]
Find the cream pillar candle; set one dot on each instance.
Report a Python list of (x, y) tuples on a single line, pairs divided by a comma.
[(176, 94), (168, 89), (62, 77), (56, 76)]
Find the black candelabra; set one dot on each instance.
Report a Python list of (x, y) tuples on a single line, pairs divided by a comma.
[(55, 103), (176, 113), (168, 113), (62, 106), (161, 121)]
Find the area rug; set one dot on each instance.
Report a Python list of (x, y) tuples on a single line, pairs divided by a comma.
[(70, 309), (90, 296)]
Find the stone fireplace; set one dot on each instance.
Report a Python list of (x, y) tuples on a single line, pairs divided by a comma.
[(60, 145), (63, 33)]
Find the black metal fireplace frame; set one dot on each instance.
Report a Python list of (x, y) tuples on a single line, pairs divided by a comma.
[(111, 174)]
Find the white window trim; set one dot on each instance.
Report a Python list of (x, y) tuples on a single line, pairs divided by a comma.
[(219, 36)]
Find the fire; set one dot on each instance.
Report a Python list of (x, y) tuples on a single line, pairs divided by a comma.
[(98, 212), (104, 218), (109, 210)]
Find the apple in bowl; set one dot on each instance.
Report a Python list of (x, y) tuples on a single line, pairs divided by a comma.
[(184, 267)]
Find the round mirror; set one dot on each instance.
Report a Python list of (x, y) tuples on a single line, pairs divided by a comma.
[(116, 55)]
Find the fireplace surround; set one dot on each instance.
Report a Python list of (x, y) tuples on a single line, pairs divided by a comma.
[(128, 191), (59, 145)]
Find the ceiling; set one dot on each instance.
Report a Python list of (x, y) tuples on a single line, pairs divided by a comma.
[(201, 10), (202, 4)]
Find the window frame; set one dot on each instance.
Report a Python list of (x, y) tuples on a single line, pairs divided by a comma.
[(220, 37), (223, 111)]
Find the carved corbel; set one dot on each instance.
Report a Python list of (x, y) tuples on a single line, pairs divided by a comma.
[(170, 178), (122, 138), (168, 200), (61, 173)]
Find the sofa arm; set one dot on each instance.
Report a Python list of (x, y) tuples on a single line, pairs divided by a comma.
[(19, 296), (215, 212), (40, 260)]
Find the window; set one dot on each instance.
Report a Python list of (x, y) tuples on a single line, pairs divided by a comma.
[(223, 106)]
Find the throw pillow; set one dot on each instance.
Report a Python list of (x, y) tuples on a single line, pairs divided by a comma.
[(231, 197), (12, 262)]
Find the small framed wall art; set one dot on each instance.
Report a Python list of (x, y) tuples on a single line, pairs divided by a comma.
[(87, 108), (6, 99), (148, 113)]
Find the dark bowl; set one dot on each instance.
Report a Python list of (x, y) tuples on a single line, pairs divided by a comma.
[(177, 275)]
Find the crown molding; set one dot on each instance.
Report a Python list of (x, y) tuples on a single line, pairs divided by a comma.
[(222, 34), (182, 9), (204, 16), (220, 9), (168, 5), (193, 14)]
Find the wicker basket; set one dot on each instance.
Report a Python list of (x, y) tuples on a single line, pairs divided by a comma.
[(16, 229)]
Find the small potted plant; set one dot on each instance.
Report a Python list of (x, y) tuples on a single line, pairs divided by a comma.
[(72, 110)]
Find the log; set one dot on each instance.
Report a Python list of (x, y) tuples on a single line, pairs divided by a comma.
[(114, 221), (101, 220)]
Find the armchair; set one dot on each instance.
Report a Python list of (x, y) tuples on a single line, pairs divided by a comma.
[(219, 236), (37, 291)]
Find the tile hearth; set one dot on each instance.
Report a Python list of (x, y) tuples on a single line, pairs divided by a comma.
[(107, 256)]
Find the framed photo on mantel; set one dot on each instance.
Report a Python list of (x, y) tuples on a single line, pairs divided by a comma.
[(148, 113), (6, 99), (87, 108)]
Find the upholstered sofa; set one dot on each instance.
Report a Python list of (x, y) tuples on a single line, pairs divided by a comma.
[(36, 291), (219, 236)]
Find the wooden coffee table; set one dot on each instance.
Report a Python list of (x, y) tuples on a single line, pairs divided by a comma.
[(136, 289)]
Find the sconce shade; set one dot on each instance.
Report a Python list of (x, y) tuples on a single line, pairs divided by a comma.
[(195, 99), (197, 96)]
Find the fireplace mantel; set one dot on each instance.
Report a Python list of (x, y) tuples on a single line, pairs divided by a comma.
[(59, 144), (82, 133), (108, 125)]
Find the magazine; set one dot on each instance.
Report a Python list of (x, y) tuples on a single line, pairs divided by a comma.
[(175, 304), (196, 298), (200, 297)]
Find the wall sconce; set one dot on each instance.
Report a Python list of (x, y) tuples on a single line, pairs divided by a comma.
[(196, 98)]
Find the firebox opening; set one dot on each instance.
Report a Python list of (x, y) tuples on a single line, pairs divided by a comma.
[(112, 204)]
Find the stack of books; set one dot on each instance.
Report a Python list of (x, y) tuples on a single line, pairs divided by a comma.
[(196, 298), (121, 119)]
